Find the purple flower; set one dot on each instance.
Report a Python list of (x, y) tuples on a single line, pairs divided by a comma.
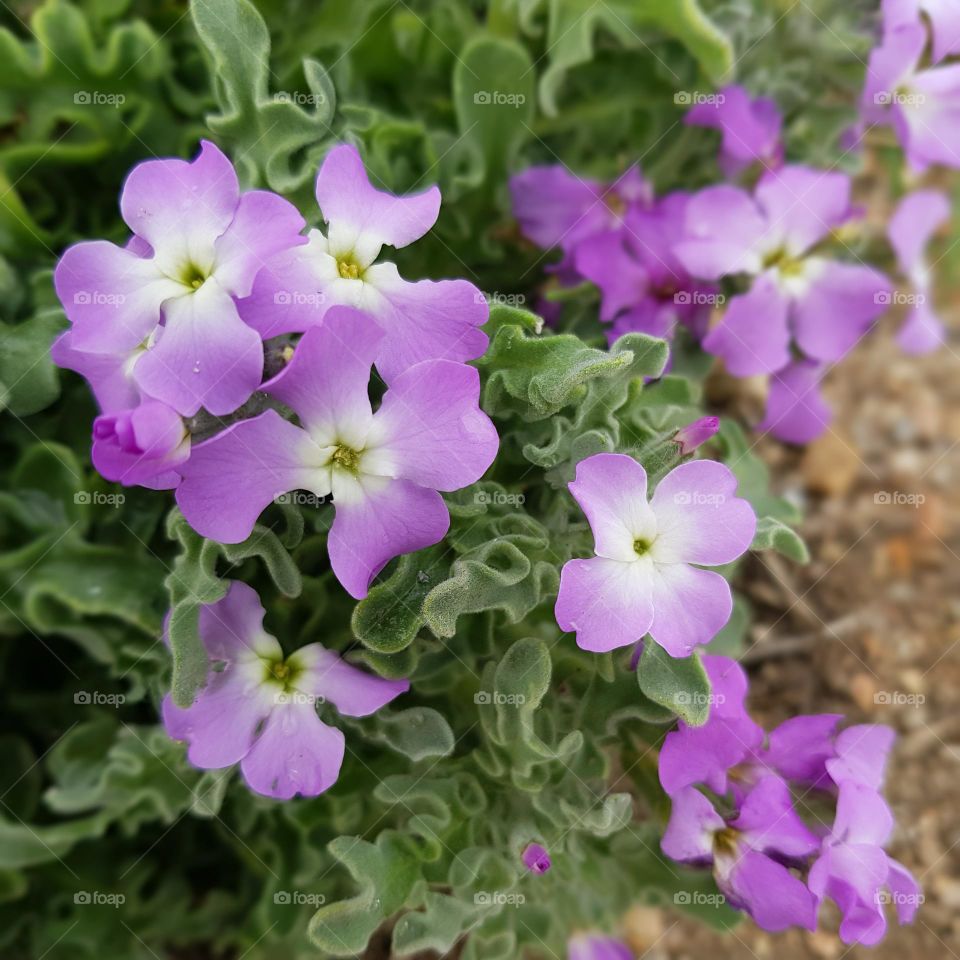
[(556, 208), (591, 946), (855, 871), (748, 851), (425, 320), (197, 245), (922, 104), (144, 445), (796, 411), (750, 128), (642, 579), (705, 754), (383, 469), (694, 434), (943, 15), (258, 707), (535, 858), (109, 375), (821, 304), (915, 220)]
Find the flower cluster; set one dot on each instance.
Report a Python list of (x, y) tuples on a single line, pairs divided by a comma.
[(176, 322), (749, 806)]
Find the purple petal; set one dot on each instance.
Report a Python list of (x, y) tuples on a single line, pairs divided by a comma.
[(753, 336), (326, 381), (799, 748), (769, 822), (922, 332), (430, 428), (108, 374), (535, 858), (862, 752), (379, 520), (838, 308), (693, 822), (906, 892), (232, 628), (690, 606), (917, 217), (352, 691), (622, 281), (611, 489), (362, 218), (699, 518), (606, 602), (296, 753), (852, 876), (180, 208), (769, 892), (803, 205), (651, 316), (205, 356), (945, 23), (426, 320), (231, 478), (592, 947), (891, 64), (263, 225), (111, 296), (862, 815), (796, 411), (725, 233), (931, 119), (751, 129)]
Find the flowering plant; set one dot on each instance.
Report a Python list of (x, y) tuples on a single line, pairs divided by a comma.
[(405, 598)]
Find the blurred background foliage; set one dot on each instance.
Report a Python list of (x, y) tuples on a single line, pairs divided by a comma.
[(438, 795)]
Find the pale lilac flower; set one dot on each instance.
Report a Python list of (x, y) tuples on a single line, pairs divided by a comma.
[(750, 128), (144, 445), (643, 578), (916, 219), (694, 434), (749, 852), (383, 469), (259, 708), (922, 104), (855, 871), (198, 244), (535, 858), (797, 295), (424, 320), (796, 411), (944, 17), (109, 375), (705, 754), (592, 946)]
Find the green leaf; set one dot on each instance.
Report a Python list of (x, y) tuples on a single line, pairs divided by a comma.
[(417, 733), (773, 534), (28, 379), (680, 685)]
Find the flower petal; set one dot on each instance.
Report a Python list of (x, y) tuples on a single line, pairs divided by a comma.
[(362, 218), (605, 601), (796, 411), (689, 833), (232, 628), (922, 332), (382, 520), (862, 752), (799, 748), (621, 279), (231, 478), (770, 893), (699, 517), (430, 428), (690, 606), (107, 374), (770, 823), (205, 356), (296, 753), (914, 222)]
